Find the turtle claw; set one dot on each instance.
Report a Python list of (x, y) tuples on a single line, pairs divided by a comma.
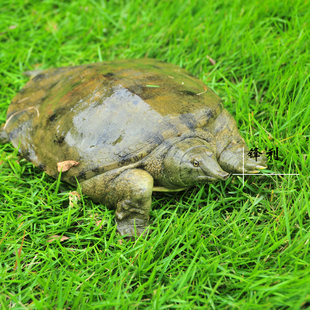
[(251, 171), (260, 167), (253, 168), (250, 165), (255, 171)]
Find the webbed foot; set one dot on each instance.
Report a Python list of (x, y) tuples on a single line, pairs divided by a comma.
[(132, 227), (134, 188)]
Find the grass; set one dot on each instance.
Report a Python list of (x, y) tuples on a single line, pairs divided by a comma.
[(227, 245)]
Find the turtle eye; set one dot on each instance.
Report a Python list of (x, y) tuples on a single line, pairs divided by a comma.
[(196, 163)]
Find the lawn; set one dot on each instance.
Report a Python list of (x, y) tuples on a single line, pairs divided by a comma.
[(236, 244)]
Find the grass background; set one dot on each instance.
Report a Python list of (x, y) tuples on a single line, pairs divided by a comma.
[(220, 246)]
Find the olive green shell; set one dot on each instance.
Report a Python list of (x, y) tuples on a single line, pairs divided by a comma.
[(106, 115)]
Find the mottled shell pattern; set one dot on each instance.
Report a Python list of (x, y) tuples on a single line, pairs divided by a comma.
[(106, 115)]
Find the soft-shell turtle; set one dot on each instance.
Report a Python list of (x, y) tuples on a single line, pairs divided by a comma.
[(134, 127)]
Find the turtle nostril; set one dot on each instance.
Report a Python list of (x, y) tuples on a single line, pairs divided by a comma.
[(225, 175)]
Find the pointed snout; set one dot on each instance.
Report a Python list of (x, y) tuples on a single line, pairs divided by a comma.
[(212, 169), (224, 175)]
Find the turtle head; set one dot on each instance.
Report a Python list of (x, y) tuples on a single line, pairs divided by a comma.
[(192, 161)]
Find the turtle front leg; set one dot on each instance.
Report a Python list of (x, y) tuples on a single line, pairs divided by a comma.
[(232, 151), (129, 193), (134, 188)]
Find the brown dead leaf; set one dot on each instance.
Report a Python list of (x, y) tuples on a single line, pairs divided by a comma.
[(19, 251), (212, 61), (66, 165), (57, 237), (3, 238), (74, 197), (99, 224), (51, 27)]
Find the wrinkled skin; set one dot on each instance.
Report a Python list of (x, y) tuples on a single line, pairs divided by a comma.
[(134, 126)]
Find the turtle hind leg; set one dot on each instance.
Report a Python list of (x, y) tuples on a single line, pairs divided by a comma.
[(4, 137), (232, 152), (129, 192)]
